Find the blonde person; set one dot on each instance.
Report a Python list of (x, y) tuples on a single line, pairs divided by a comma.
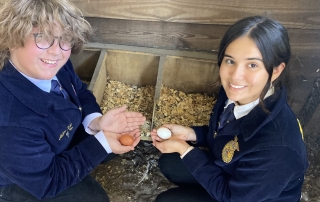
[(52, 132), (255, 148)]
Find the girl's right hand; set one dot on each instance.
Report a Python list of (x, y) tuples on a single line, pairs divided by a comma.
[(178, 132)]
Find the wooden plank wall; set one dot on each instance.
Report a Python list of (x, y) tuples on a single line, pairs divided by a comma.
[(293, 13), (196, 25)]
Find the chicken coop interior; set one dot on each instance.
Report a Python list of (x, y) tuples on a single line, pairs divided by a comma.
[(175, 44), (148, 47)]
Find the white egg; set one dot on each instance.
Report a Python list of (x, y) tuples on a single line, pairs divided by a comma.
[(164, 133)]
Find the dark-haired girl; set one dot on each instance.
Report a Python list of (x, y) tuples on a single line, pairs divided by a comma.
[(255, 147)]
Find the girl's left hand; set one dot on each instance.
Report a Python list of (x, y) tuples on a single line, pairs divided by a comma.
[(171, 145)]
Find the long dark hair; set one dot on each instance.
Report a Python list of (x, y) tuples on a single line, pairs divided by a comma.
[(271, 38)]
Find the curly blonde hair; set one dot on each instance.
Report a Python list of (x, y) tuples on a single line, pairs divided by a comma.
[(19, 17)]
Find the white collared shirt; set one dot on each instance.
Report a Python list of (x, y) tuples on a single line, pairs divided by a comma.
[(242, 110)]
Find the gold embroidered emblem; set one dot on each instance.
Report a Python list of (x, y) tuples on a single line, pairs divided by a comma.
[(229, 149), (66, 132)]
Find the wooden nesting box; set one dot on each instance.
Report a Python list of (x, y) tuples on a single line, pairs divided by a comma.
[(131, 68), (137, 67), (85, 63)]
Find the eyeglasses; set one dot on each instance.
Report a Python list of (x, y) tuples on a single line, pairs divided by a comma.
[(44, 41)]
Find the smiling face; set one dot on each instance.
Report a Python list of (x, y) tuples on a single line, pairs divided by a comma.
[(242, 72), (38, 63)]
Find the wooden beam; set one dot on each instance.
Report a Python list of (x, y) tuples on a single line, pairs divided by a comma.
[(313, 102), (304, 72), (293, 14), (155, 51), (185, 36)]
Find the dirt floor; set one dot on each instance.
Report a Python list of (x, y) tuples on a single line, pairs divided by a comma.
[(135, 176)]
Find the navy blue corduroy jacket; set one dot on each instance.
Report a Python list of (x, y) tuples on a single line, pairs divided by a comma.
[(271, 161), (36, 129)]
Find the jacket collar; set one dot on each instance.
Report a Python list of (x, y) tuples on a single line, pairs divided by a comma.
[(20, 87), (256, 118)]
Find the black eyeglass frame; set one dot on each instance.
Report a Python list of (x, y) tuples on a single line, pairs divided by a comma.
[(35, 35)]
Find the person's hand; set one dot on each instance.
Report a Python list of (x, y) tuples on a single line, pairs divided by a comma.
[(178, 132), (118, 120), (116, 146), (171, 145)]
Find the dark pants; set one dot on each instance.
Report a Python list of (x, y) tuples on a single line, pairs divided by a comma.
[(88, 190), (188, 190)]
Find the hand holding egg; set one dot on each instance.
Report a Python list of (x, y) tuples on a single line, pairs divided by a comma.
[(164, 133), (126, 140)]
